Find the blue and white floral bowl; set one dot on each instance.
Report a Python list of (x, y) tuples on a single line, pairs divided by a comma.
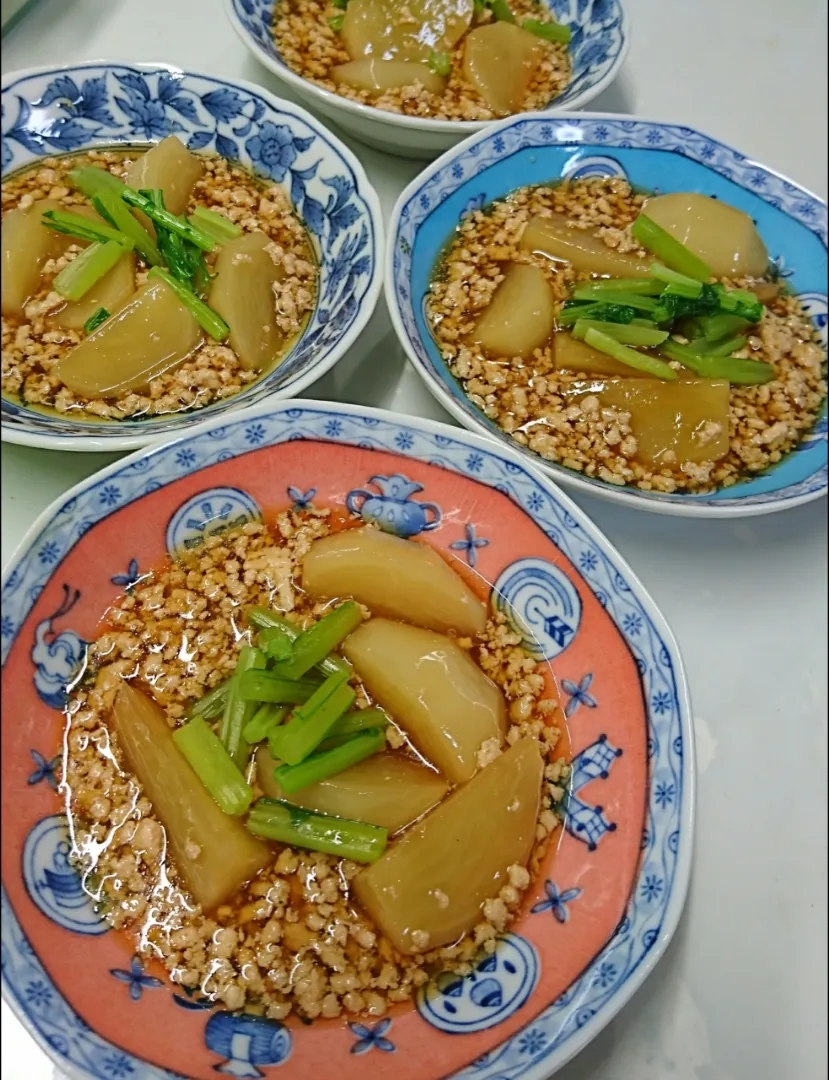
[(598, 48), (531, 149), (49, 111)]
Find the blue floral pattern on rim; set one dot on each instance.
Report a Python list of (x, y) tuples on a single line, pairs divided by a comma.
[(58, 111), (599, 37), (542, 147), (657, 900)]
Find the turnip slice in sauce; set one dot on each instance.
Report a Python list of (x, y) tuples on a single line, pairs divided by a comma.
[(721, 235), (112, 292), (585, 250), (573, 355), (214, 853), (153, 333), (436, 877), (378, 75), (433, 689), (397, 578), (387, 790), (391, 30), (243, 294), (168, 165), (27, 245), (520, 316), (500, 60), (688, 418)]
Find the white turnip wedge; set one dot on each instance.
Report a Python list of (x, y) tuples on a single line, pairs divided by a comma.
[(434, 691), (427, 889), (213, 851), (397, 578)]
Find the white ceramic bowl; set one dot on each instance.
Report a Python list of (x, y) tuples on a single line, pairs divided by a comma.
[(54, 110), (532, 149), (601, 36)]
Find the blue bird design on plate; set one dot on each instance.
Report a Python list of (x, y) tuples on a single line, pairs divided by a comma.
[(57, 657)]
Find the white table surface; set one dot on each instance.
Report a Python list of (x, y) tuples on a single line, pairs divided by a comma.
[(741, 993)]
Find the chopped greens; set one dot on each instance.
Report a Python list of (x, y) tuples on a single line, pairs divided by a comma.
[(313, 720), (325, 763), (274, 819), (213, 765), (95, 320), (64, 221), (211, 322), (668, 249), (85, 270), (440, 63), (735, 370), (550, 31), (215, 224), (625, 355)]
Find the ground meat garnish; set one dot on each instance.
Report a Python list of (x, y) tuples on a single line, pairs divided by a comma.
[(527, 399), (292, 941), (311, 48), (212, 373)]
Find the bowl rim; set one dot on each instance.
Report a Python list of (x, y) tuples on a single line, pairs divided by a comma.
[(424, 125), (543, 1069), (608, 492), (86, 442)]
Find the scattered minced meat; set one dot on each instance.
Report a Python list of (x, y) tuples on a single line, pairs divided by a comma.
[(292, 941), (526, 398), (311, 48), (32, 347)]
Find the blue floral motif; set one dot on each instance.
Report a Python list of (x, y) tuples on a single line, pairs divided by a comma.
[(577, 694), (404, 441), (135, 978), (185, 458), (651, 887), (606, 975), (661, 703), (38, 994), (255, 434), (664, 794), (130, 579), (301, 500), (469, 544), (6, 626), (118, 1066), (110, 495), (272, 150), (474, 463), (48, 553), (632, 624), (588, 561), (532, 1043), (372, 1036), (46, 770), (333, 428), (556, 902)]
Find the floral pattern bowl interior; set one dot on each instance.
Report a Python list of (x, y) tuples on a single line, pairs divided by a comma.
[(606, 902), (597, 50), (53, 111), (657, 157)]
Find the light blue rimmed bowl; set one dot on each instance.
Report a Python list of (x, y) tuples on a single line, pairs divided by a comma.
[(58, 110), (531, 149), (599, 45)]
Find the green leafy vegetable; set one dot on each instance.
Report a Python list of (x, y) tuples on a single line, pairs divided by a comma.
[(617, 313), (440, 63), (85, 270), (110, 206), (212, 704), (264, 619), (264, 686), (237, 710), (311, 722), (215, 224), (735, 370), (678, 284), (640, 361), (205, 316), (277, 820), (69, 224), (314, 644), (213, 765), (336, 23), (95, 320), (669, 250), (265, 720), (626, 334), (169, 221), (325, 763), (597, 293), (502, 11)]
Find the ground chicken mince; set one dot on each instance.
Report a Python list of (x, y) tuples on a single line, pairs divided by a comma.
[(534, 403), (312, 48), (32, 345), (293, 940)]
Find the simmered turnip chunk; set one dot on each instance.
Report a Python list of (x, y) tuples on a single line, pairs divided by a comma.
[(398, 578), (214, 852), (387, 790), (688, 418), (379, 75), (394, 30), (168, 165), (27, 245), (112, 291), (722, 236), (433, 689), (520, 316), (153, 333), (428, 888), (500, 60), (243, 295), (550, 236)]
